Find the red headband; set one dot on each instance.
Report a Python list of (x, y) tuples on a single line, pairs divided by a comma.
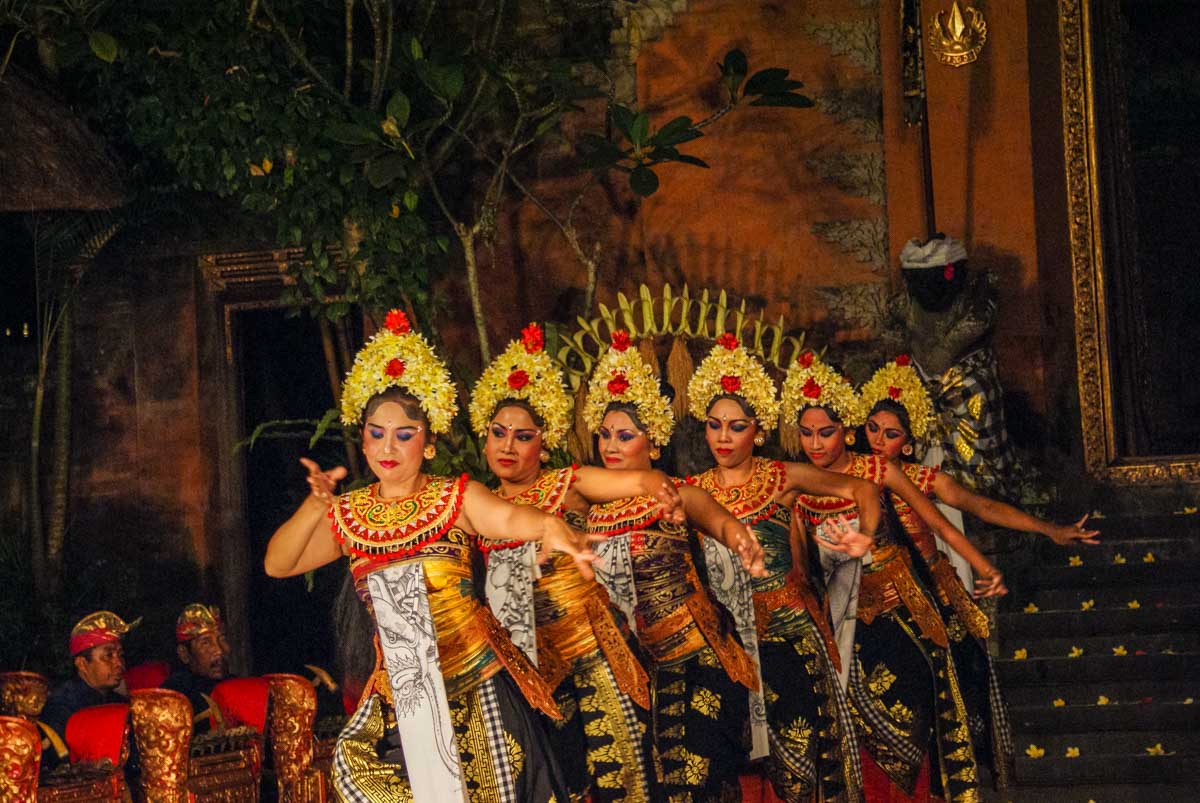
[(81, 642)]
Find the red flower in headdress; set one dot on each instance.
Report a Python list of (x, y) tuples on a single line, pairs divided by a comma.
[(731, 384), (518, 379), (811, 389), (728, 341), (532, 338), (805, 360), (903, 359), (618, 385), (395, 367), (948, 272), (397, 323), (893, 392), (620, 340)]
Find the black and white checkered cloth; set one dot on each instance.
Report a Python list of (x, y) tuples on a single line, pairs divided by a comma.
[(493, 723), (911, 753), (344, 789)]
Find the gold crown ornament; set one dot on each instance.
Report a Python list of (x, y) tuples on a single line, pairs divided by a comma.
[(731, 370), (812, 383), (524, 372), (956, 40), (899, 381), (397, 357), (623, 376)]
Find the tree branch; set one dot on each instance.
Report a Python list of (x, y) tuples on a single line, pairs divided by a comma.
[(297, 53), (347, 81)]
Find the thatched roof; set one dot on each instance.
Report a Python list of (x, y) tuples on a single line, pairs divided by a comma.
[(48, 157)]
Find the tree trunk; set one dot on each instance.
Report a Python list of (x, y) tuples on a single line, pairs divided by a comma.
[(59, 501), (467, 238), (37, 535)]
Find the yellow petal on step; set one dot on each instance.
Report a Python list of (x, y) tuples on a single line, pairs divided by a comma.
[(1031, 608), (1072, 752), (1133, 604), (1119, 559), (1075, 652), (1148, 557), (1156, 750), (1075, 560), (1033, 751), (1120, 650), (1087, 605), (1059, 703), (1101, 700), (1020, 655)]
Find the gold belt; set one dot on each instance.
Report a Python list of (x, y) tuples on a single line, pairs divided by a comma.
[(698, 609), (889, 583), (951, 592), (796, 594), (554, 664)]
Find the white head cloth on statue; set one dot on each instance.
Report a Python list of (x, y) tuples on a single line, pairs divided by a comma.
[(933, 254)]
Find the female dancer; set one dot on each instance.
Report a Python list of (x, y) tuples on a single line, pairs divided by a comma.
[(449, 691), (901, 412), (902, 681), (700, 710), (564, 622), (813, 750)]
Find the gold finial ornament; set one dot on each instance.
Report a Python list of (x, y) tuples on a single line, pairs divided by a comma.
[(956, 38)]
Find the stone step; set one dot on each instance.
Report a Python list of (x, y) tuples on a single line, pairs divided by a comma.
[(1107, 644), (1099, 576), (1148, 618), (1134, 550), (1123, 691), (1127, 717), (1172, 743), (1073, 599), (1119, 769), (1063, 672), (1085, 793)]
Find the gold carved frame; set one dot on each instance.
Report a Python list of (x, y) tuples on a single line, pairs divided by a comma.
[(1092, 343)]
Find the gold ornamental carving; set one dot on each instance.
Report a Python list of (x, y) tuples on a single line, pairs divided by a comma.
[(23, 694), (293, 709), (162, 727), (955, 36), (1093, 361), (20, 757)]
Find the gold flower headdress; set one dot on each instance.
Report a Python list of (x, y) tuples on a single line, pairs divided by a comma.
[(622, 375), (525, 372), (812, 383), (899, 381), (730, 369), (397, 357)]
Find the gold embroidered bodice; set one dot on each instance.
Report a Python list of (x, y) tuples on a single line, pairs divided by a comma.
[(816, 509), (421, 527), (920, 533)]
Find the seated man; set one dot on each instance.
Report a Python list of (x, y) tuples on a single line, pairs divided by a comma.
[(204, 652), (99, 660)]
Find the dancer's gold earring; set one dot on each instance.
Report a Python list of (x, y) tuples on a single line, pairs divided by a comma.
[(849, 437), (544, 456), (760, 439), (907, 449), (430, 451), (655, 453)]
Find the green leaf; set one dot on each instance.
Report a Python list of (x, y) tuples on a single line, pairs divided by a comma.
[(786, 99), (383, 171), (639, 129), (598, 153), (443, 243), (690, 160), (351, 134), (676, 131), (770, 81), (414, 48), (643, 181), (398, 108), (411, 200), (623, 118), (446, 82), (103, 45), (734, 69)]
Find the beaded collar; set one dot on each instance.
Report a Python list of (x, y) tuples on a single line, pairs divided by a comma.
[(624, 515), (752, 500), (868, 467), (548, 493), (372, 527)]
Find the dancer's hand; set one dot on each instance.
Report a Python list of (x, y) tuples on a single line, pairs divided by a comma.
[(990, 585), (841, 534), (1067, 534), (558, 536), (671, 504), (323, 484), (742, 540)]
